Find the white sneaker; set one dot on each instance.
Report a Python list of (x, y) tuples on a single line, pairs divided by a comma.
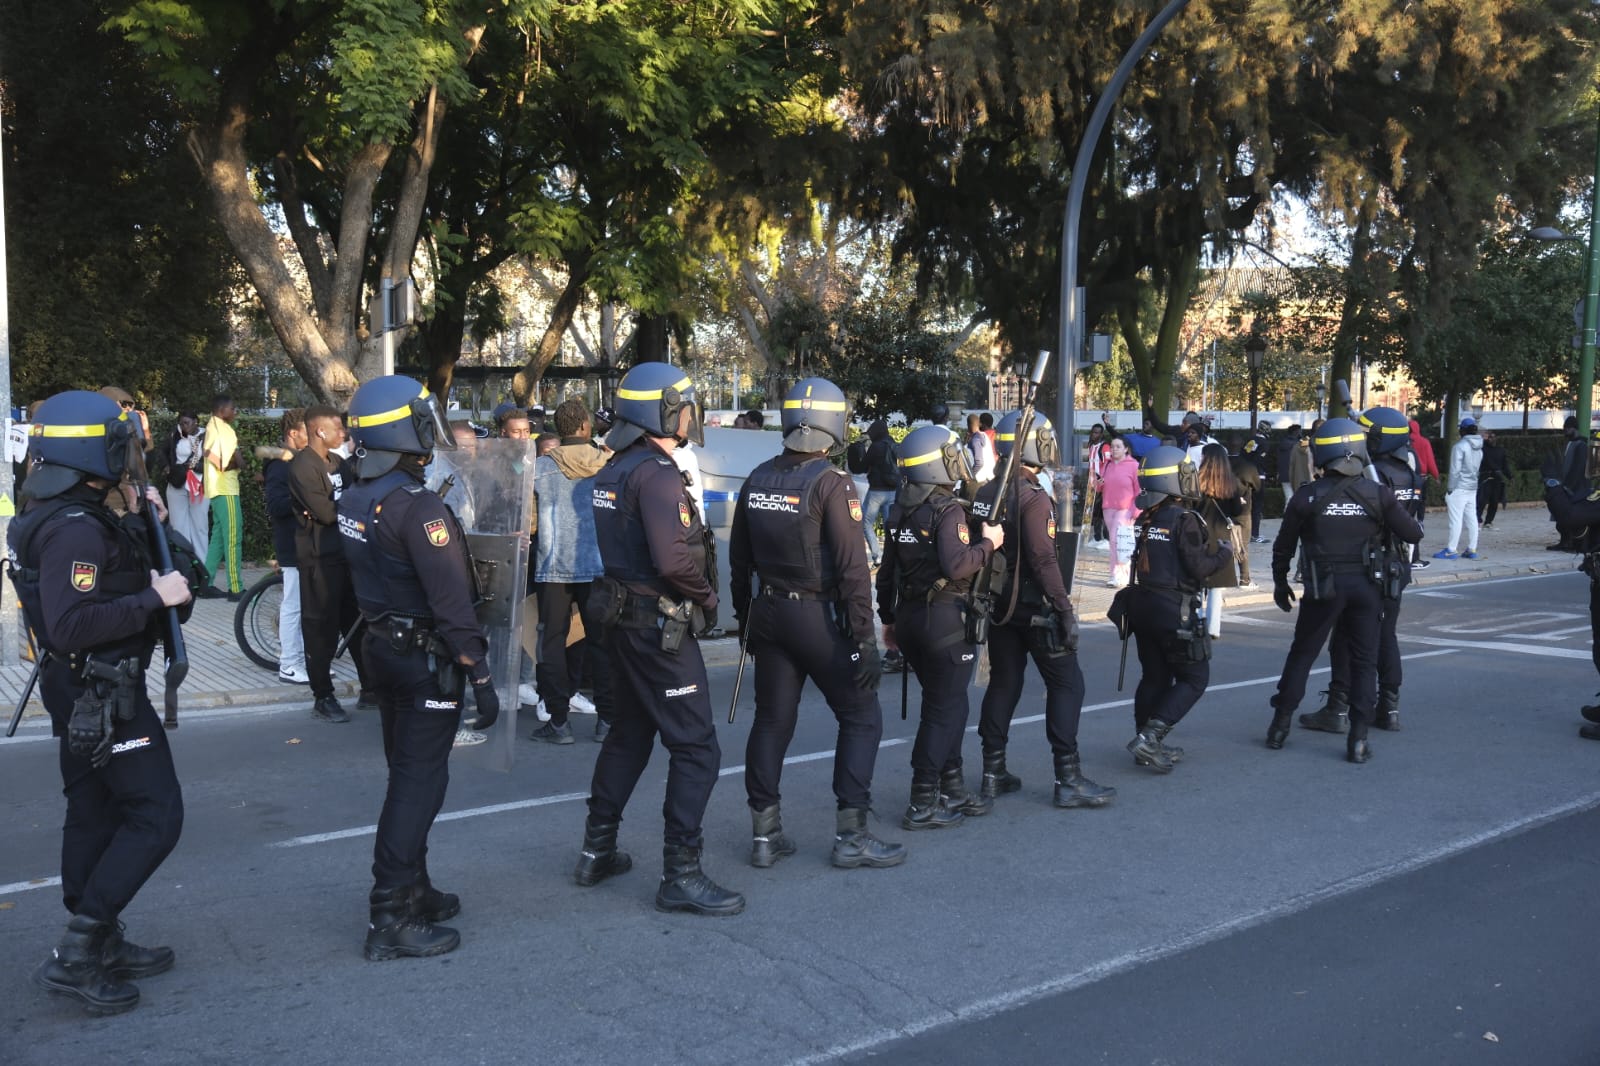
[(580, 704), (465, 738), (1113, 584), (295, 676), (527, 695), (1251, 587)]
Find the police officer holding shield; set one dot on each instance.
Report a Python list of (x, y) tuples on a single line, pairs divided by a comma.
[(797, 528), (414, 582), (928, 566), (86, 581), (1340, 524), (1033, 619), (655, 596)]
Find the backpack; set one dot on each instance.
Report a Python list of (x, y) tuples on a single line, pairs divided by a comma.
[(855, 456)]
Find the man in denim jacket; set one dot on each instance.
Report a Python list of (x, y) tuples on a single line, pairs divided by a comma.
[(566, 561)]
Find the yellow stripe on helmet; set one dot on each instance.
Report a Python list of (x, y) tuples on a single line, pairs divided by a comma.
[(68, 431), (817, 405), (1158, 471), (384, 418), (1349, 438), (918, 460), (652, 394)]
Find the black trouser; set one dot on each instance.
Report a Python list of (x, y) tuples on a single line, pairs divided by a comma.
[(1010, 646), (124, 818), (658, 693), (417, 739), (930, 637), (1491, 494), (328, 611), (1594, 621), (1389, 667), (1258, 506), (1098, 530), (554, 671), (1169, 685), (1354, 608), (792, 640)]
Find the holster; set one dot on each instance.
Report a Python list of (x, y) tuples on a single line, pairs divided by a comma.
[(676, 619), (1049, 633), (604, 607), (1319, 580), (975, 619), (447, 673), (116, 683), (1192, 642)]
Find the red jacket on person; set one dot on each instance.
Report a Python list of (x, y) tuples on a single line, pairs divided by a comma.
[(1420, 447)]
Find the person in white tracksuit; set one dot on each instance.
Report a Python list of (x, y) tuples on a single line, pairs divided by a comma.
[(1461, 497)]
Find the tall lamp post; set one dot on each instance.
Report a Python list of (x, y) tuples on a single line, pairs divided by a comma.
[(1322, 394), (1591, 301), (1255, 350)]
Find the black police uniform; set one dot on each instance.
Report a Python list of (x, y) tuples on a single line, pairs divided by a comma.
[(83, 577), (1577, 518), (797, 525), (652, 542), (1258, 450), (413, 580), (926, 574), (1033, 618), (1170, 564), (1406, 485), (1337, 522)]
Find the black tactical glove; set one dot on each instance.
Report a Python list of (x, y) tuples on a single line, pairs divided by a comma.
[(1282, 594), (1067, 630), (486, 699), (89, 732), (868, 665)]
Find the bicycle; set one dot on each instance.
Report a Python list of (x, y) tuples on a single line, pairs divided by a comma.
[(255, 621)]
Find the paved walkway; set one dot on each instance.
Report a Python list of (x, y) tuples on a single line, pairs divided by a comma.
[(220, 675)]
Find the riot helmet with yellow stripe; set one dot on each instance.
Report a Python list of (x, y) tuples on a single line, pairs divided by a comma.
[(1388, 430), (1167, 471), (657, 400), (393, 416), (815, 413), (1340, 446), (1040, 449), (933, 455), (74, 435)]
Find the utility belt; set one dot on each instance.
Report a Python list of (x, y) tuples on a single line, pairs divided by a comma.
[(405, 634), (786, 594), (612, 605), (1319, 574), (1192, 642)]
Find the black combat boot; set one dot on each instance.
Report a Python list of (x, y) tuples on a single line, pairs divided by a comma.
[(954, 789), (1356, 750), (997, 780), (1591, 712), (854, 845), (685, 888), (1278, 731), (1388, 712), (77, 968), (396, 930), (767, 842), (1075, 790), (121, 958), (927, 809), (1333, 716), (1146, 747), (434, 905), (600, 858)]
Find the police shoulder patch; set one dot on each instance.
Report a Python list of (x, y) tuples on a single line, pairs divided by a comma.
[(438, 533), (1050, 527), (683, 514), (84, 576), (962, 534), (855, 510)]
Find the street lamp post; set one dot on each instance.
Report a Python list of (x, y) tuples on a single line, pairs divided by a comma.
[(1321, 391), (1255, 350), (1591, 300)]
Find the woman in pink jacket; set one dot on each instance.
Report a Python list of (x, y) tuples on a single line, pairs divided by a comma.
[(1118, 486)]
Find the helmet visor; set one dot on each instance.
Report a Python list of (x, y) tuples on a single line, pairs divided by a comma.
[(433, 428)]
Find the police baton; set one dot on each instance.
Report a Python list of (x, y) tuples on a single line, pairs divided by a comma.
[(177, 655), (1122, 667), (27, 691), (738, 675)]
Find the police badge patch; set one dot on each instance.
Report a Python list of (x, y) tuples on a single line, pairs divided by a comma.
[(683, 514), (438, 533), (855, 510), (1050, 528), (83, 576), (961, 532)]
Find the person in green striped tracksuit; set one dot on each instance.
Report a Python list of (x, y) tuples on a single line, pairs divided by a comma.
[(221, 482)]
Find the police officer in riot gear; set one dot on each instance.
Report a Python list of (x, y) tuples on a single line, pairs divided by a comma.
[(1171, 560), (655, 596), (85, 580), (414, 583), (1341, 524), (1388, 445), (797, 527), (1033, 617), (927, 571), (1577, 518)]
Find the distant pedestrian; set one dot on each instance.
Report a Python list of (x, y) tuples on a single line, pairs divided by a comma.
[(883, 479), (1118, 489), (222, 463), (1221, 501), (1258, 452), (186, 494), (283, 517), (1493, 473), (1462, 497)]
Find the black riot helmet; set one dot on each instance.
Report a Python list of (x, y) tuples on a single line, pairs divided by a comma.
[(1167, 471), (1040, 449), (933, 455), (75, 435), (649, 400), (815, 413), (393, 416), (1388, 430), (1340, 445)]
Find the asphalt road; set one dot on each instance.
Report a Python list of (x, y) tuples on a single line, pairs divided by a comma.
[(1253, 906)]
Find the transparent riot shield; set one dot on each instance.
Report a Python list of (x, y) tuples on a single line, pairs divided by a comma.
[(489, 485)]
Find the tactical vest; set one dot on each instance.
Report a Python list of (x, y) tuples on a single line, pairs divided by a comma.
[(917, 573), (1399, 476), (1031, 594), (619, 527), (385, 583), (785, 537), (128, 579), (1157, 564), (1344, 523)]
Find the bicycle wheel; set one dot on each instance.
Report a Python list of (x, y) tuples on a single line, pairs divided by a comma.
[(255, 621)]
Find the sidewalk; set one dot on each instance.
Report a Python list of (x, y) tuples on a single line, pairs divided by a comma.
[(1515, 545)]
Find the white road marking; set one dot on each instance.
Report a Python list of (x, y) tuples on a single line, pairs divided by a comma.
[(29, 886), (1497, 645)]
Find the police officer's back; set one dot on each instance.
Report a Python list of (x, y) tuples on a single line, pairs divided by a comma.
[(797, 527), (87, 585)]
